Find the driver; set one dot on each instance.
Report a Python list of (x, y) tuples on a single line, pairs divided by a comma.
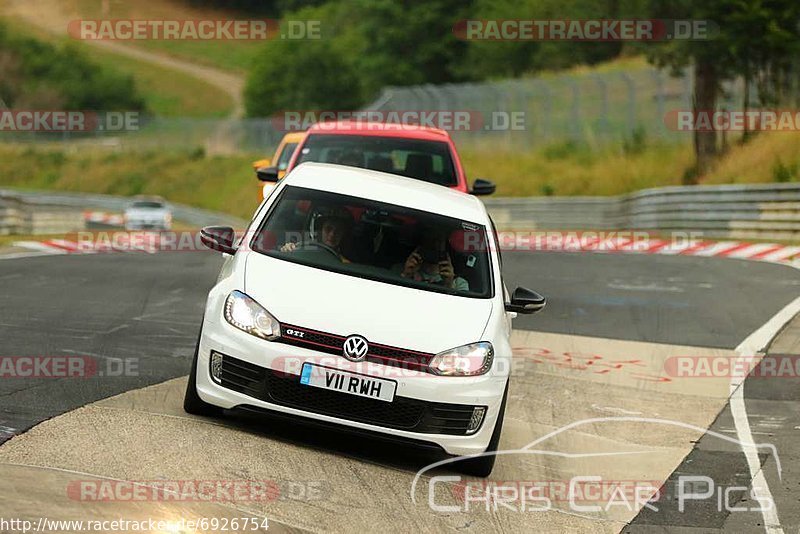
[(431, 263), (329, 226)]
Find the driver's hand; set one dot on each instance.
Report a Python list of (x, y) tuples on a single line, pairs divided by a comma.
[(412, 264), (289, 247), (446, 272)]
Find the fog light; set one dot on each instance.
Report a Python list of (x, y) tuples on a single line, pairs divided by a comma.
[(216, 368), (476, 419)]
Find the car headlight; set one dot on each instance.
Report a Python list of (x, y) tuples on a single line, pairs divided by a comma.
[(467, 360), (247, 315)]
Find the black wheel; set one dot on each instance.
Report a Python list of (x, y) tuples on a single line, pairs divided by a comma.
[(482, 465), (192, 403)]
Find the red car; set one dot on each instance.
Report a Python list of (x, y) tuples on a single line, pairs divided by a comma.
[(419, 152)]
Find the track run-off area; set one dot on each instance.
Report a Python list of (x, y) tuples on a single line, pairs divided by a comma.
[(595, 392)]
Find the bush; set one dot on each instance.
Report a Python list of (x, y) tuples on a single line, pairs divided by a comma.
[(560, 150), (197, 153), (783, 173), (637, 142), (35, 74)]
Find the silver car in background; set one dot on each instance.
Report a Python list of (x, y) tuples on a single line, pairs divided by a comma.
[(148, 214)]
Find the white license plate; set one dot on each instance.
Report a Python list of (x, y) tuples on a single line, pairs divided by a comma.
[(346, 382)]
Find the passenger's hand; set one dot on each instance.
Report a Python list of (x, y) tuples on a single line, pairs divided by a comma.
[(412, 265), (446, 272), (289, 247)]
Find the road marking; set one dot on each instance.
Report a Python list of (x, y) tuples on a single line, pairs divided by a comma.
[(653, 286), (756, 343), (611, 409)]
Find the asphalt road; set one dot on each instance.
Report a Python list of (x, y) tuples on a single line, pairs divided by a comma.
[(146, 308), (705, 302), (136, 310)]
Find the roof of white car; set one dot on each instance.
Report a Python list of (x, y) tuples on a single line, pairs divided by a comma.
[(388, 188)]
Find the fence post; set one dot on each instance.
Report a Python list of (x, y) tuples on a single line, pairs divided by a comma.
[(603, 120), (631, 101), (658, 77), (575, 110)]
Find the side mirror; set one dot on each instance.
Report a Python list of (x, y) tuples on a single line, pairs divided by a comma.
[(219, 238), (524, 300), (482, 187), (267, 174)]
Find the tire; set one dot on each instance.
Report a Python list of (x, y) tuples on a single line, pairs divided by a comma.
[(192, 403), (482, 466)]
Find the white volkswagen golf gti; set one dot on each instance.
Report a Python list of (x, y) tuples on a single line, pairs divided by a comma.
[(364, 300)]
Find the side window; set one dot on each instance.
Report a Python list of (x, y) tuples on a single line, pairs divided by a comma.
[(286, 155)]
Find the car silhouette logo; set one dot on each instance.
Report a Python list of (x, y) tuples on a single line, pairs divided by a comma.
[(355, 348)]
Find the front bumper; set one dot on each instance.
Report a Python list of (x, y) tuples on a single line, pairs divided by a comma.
[(264, 375), (147, 225)]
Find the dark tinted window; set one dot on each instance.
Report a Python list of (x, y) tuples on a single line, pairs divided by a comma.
[(147, 204), (429, 161), (374, 240)]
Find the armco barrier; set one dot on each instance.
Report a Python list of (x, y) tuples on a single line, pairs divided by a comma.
[(79, 202), (19, 217), (753, 211)]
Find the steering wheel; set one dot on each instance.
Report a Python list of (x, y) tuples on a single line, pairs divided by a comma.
[(316, 245)]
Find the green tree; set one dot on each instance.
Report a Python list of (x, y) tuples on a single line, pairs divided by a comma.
[(300, 75), (756, 38), (408, 42)]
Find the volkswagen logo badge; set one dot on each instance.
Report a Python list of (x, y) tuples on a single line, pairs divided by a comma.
[(355, 348)]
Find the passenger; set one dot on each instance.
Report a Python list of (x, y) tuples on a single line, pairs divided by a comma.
[(329, 227), (430, 263)]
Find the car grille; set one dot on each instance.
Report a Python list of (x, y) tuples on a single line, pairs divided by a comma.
[(402, 413), (332, 344)]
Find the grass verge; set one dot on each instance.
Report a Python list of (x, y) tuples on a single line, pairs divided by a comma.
[(221, 183), (227, 183)]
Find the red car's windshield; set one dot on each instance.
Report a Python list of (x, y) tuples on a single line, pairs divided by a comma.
[(429, 161)]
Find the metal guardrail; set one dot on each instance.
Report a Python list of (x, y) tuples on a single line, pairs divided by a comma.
[(19, 217), (42, 202), (753, 211)]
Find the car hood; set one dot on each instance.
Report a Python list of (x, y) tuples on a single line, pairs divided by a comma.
[(339, 304)]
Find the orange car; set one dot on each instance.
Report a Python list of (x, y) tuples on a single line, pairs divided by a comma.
[(283, 154)]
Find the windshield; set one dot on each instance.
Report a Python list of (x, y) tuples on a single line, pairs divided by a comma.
[(286, 155), (429, 161), (383, 242), (147, 204)]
